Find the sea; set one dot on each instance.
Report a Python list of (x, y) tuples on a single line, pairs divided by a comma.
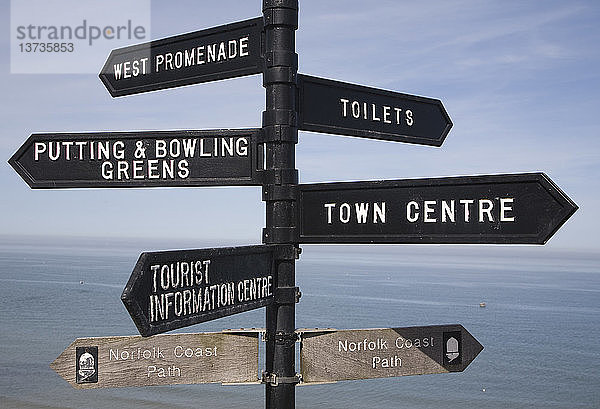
[(540, 326)]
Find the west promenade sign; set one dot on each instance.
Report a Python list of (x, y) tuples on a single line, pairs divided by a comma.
[(227, 51)]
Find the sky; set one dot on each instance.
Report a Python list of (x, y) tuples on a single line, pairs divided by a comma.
[(519, 80)]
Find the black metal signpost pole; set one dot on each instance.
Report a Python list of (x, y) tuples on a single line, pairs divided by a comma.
[(280, 133)]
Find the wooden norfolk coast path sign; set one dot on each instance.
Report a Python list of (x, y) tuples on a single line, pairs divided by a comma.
[(111, 362), (337, 355), (174, 289)]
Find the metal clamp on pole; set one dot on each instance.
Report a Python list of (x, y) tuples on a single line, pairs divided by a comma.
[(278, 176), (281, 58), (287, 295), (274, 380), (281, 16), (273, 75), (272, 235), (276, 235), (279, 116), (286, 338), (282, 338), (271, 193), (279, 133), (287, 252)]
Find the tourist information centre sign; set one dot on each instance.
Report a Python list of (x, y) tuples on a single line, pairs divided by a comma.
[(174, 289), (506, 209), (227, 51), (332, 355), (139, 159), (112, 362)]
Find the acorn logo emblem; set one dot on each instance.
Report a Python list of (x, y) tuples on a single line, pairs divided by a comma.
[(87, 364)]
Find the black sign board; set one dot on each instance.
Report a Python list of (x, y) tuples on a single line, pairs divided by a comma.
[(139, 159), (337, 355), (355, 110), (508, 209), (227, 51), (173, 289)]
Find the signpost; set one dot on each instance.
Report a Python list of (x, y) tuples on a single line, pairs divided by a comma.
[(346, 109), (218, 53), (507, 209), (139, 159), (111, 362), (173, 289), (330, 355)]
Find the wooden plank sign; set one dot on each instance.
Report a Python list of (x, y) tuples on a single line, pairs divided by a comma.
[(174, 289), (331, 355), (222, 157), (227, 51), (111, 362)]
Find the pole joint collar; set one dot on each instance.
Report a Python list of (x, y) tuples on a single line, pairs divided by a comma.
[(280, 235), (287, 295), (279, 117), (287, 252), (281, 58), (279, 176), (278, 133), (281, 17), (279, 75), (275, 193)]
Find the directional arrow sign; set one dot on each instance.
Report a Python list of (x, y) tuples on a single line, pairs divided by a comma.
[(139, 159), (354, 110), (507, 209), (329, 355), (111, 362), (227, 51), (174, 289)]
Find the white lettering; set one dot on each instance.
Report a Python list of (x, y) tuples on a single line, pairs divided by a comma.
[(485, 207), (345, 207), (412, 215), (506, 206), (329, 207), (428, 209)]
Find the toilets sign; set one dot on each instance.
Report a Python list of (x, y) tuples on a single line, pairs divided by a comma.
[(355, 110)]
